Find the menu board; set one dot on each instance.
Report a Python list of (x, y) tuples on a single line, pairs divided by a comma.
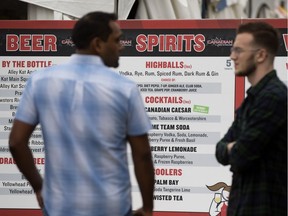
[(187, 82)]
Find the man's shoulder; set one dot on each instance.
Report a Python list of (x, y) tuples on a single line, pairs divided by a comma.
[(37, 73), (274, 90), (119, 77), (276, 86)]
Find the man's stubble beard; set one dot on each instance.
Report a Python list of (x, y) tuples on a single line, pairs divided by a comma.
[(248, 71)]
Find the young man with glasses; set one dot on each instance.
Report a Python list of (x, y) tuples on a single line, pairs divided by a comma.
[(255, 145)]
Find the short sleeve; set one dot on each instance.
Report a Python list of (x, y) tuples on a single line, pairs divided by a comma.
[(138, 120), (26, 110)]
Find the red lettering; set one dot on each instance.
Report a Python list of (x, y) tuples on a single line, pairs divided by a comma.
[(179, 43), (151, 99), (4, 160), (161, 43), (188, 39), (141, 43), (39, 160), (152, 42), (34, 43), (199, 43), (170, 43), (168, 172), (37, 46), (50, 43), (24, 43), (11, 42)]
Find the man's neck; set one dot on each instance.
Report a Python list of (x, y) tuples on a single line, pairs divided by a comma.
[(259, 73)]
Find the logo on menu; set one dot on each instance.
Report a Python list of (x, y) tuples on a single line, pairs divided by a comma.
[(68, 42), (219, 42), (126, 43)]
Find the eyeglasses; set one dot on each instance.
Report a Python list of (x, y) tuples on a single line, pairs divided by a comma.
[(238, 50)]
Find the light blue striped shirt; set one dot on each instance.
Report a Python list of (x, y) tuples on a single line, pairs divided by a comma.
[(85, 110)]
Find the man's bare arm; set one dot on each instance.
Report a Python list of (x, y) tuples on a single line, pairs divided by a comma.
[(19, 148), (144, 170)]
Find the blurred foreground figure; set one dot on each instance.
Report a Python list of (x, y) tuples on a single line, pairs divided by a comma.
[(87, 114), (256, 144)]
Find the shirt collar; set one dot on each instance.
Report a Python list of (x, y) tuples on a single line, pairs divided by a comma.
[(86, 59), (261, 84)]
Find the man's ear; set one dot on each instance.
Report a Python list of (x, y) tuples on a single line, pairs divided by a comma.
[(96, 45), (261, 55)]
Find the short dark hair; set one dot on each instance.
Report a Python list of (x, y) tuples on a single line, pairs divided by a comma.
[(91, 25), (264, 35)]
